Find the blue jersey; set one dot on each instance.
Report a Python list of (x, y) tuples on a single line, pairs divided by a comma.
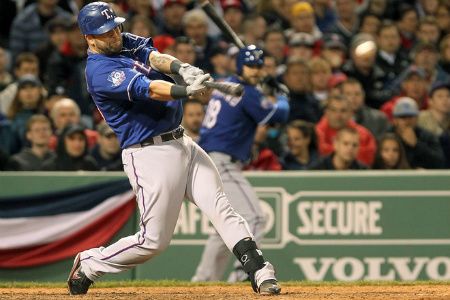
[(119, 85), (230, 122)]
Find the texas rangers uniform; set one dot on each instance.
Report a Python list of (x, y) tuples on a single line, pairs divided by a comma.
[(163, 165), (227, 135)]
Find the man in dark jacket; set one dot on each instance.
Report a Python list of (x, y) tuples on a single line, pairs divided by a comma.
[(303, 105), (38, 133), (422, 147), (371, 118), (71, 152)]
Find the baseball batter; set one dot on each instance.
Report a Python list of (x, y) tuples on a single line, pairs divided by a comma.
[(227, 135), (126, 78)]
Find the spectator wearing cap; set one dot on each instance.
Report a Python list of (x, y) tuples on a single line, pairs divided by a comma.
[(27, 30), (334, 51), (413, 85), (72, 152), (444, 48), (25, 64), (184, 49), (370, 118), (28, 101), (64, 112), (66, 69), (344, 157), (254, 28), (5, 77), (436, 119), (422, 147), (38, 133), (107, 152), (57, 30), (320, 76), (325, 14), (173, 13), (303, 20), (426, 56), (370, 23), (302, 104), (389, 57), (347, 23), (233, 14), (338, 115), (428, 31), (301, 45), (407, 24), (362, 66), (196, 27)]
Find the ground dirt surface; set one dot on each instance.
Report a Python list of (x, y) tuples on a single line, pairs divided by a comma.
[(231, 292)]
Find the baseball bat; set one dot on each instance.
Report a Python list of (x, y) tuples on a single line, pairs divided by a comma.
[(208, 8), (234, 89)]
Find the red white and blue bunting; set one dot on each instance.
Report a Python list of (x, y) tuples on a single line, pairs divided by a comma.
[(41, 229)]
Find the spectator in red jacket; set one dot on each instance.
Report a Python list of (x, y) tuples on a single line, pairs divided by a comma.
[(338, 115)]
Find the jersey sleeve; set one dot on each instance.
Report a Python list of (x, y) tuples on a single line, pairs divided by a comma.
[(122, 84), (257, 106), (137, 47)]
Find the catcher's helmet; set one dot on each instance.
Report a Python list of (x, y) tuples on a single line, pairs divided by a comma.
[(97, 18), (249, 56)]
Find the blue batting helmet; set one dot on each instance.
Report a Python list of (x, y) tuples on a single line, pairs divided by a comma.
[(97, 18), (249, 56)]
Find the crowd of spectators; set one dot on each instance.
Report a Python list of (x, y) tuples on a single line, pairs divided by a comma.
[(368, 80)]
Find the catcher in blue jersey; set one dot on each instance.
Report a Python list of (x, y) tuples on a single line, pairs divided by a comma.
[(227, 135), (127, 80)]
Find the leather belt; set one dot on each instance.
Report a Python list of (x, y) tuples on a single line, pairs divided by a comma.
[(164, 137)]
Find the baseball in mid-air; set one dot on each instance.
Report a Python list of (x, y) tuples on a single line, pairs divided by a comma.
[(365, 47)]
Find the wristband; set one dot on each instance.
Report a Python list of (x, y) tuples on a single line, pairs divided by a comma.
[(178, 91), (175, 66)]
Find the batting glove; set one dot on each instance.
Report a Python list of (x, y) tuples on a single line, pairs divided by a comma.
[(189, 73), (197, 86)]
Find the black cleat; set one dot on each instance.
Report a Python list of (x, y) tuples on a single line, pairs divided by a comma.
[(78, 283), (269, 287)]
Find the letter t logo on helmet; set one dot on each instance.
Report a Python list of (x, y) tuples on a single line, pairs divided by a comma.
[(98, 18)]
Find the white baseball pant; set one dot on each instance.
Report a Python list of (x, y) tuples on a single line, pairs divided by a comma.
[(161, 175)]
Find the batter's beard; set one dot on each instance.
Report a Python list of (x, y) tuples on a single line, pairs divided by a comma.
[(112, 49)]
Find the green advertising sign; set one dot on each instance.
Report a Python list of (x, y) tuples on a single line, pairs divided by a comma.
[(347, 234)]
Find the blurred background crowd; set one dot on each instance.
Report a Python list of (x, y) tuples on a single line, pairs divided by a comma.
[(368, 80)]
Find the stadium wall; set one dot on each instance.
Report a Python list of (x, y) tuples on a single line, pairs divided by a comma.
[(320, 226)]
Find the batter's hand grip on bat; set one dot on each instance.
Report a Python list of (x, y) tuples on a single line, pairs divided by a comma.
[(229, 88)]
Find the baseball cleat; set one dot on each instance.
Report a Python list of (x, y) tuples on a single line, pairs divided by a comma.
[(78, 283), (269, 287)]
